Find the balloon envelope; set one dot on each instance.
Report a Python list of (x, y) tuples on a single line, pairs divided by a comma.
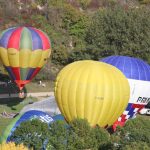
[(29, 115), (138, 75), (24, 51), (91, 90), (58, 117)]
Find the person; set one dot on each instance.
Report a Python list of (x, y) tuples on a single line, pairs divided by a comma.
[(40, 82), (21, 94)]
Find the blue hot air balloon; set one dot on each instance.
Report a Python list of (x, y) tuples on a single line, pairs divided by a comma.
[(58, 117), (29, 115), (138, 74)]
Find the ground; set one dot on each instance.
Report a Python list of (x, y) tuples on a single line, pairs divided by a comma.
[(35, 87), (29, 88), (13, 105)]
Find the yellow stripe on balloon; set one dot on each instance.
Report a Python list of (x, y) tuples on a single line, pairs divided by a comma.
[(44, 58), (24, 58), (34, 58), (4, 56), (13, 57)]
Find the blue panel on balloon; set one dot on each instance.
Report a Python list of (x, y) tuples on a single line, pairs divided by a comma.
[(58, 117), (132, 68), (29, 115)]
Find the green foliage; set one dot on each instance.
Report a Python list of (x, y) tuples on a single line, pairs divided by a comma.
[(77, 55), (84, 3), (81, 135), (57, 135), (135, 134), (74, 36), (144, 1), (136, 145), (120, 32), (74, 21), (78, 135), (31, 133), (60, 55)]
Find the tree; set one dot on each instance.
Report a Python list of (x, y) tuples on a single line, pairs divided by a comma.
[(60, 55), (77, 135), (57, 136), (135, 134), (144, 1), (83, 136), (119, 31), (74, 21), (80, 135), (84, 3), (32, 134)]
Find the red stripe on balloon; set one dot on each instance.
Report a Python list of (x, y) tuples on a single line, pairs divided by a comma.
[(14, 40), (116, 124), (140, 106), (44, 38), (35, 73), (123, 118), (21, 83), (16, 72)]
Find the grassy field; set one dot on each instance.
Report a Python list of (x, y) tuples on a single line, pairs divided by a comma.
[(32, 87), (12, 105), (35, 87), (144, 116)]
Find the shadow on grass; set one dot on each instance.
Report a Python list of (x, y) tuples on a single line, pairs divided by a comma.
[(10, 88), (10, 102)]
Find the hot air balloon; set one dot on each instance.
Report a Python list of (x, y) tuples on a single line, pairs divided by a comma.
[(29, 115), (138, 74), (24, 51), (91, 90), (13, 146), (58, 117)]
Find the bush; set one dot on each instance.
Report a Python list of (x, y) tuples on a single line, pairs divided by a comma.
[(78, 135), (60, 55), (57, 136), (120, 32), (135, 133), (144, 1), (32, 134), (77, 55)]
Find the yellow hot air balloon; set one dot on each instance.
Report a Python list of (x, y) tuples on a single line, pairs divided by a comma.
[(12, 146), (92, 90)]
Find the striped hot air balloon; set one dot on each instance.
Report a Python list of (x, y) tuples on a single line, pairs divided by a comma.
[(24, 51), (138, 74)]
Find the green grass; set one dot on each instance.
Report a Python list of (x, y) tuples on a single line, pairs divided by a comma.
[(29, 88), (144, 116), (35, 87), (12, 105), (4, 122)]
